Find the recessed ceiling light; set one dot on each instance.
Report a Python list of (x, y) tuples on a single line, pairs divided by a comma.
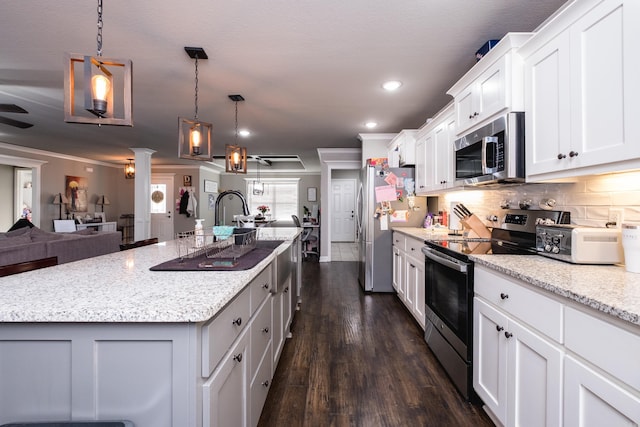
[(371, 125), (244, 133), (391, 85)]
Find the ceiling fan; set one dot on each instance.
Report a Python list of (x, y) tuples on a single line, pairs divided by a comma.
[(13, 108)]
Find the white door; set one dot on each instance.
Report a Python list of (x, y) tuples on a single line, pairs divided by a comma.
[(162, 207), (343, 192)]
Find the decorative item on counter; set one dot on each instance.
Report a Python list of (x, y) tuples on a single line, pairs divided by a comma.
[(263, 209), (428, 221)]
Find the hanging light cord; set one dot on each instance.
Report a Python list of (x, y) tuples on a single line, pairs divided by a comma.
[(236, 123), (196, 97), (99, 37)]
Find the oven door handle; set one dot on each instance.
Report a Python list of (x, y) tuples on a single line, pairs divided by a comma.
[(433, 255)]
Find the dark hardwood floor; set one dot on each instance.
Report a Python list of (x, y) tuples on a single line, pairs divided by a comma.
[(359, 359)]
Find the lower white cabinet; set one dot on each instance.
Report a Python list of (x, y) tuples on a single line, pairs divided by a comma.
[(593, 400), (517, 373), (541, 361), (224, 393), (408, 274)]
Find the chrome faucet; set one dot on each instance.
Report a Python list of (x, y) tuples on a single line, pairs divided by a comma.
[(245, 205)]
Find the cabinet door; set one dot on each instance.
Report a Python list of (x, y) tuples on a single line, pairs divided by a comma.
[(547, 106), (277, 322), (398, 268), (443, 148), (491, 89), (591, 399), (421, 165), (224, 394), (604, 67), (410, 281), (534, 379), (466, 111), (490, 357), (286, 309), (417, 281)]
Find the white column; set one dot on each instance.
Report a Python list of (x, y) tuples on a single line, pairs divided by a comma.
[(142, 195)]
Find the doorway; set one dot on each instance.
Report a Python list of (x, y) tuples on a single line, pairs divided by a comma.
[(343, 196), (161, 207)]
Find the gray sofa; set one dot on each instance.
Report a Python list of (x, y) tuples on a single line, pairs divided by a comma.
[(30, 244)]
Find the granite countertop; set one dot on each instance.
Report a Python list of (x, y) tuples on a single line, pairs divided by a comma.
[(119, 287), (607, 288)]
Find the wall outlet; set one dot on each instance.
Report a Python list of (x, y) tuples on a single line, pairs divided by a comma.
[(616, 215)]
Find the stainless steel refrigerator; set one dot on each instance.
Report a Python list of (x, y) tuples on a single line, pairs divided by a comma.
[(375, 255)]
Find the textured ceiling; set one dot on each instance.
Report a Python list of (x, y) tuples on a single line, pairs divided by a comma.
[(310, 70)]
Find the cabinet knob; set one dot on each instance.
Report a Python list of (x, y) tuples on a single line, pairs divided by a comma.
[(286, 290), (238, 357), (573, 154), (504, 296), (561, 156), (508, 334), (237, 321), (266, 330), (499, 328), (265, 286), (266, 383)]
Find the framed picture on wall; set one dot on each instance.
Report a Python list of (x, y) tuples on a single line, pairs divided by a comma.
[(210, 186), (312, 194)]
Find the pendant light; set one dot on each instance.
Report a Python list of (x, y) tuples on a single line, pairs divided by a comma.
[(98, 86), (130, 170), (258, 186), (235, 155), (194, 139)]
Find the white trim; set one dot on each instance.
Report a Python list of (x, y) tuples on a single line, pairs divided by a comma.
[(36, 176)]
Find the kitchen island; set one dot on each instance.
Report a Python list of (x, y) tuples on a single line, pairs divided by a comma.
[(106, 338)]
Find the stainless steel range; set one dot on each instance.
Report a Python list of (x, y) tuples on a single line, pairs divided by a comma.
[(449, 286)]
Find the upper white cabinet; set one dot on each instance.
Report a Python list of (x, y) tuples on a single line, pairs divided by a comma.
[(434, 153), (493, 85), (402, 149), (580, 88)]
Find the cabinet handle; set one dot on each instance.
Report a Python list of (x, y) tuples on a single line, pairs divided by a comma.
[(413, 249), (504, 296), (266, 330), (237, 321), (238, 357), (573, 154), (265, 286), (508, 334), (412, 266), (266, 383), (499, 328), (562, 156)]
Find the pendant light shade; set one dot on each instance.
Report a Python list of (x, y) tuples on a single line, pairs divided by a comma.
[(258, 186), (235, 155), (194, 139), (94, 76), (130, 170), (235, 159)]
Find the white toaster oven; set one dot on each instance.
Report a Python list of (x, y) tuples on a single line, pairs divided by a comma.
[(580, 244)]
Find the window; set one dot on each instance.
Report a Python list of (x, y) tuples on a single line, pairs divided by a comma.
[(280, 195)]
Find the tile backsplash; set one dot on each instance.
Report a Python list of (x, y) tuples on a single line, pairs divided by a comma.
[(588, 199)]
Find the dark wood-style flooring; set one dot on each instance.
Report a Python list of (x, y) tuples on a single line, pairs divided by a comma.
[(359, 359)]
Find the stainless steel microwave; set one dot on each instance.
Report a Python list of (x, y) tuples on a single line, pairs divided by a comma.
[(493, 153)]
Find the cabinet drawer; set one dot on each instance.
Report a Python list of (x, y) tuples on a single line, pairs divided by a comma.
[(413, 247), (613, 349), (259, 389), (220, 332), (261, 287), (261, 331), (533, 308), (399, 240)]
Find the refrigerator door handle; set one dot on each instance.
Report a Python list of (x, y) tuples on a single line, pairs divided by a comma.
[(359, 208)]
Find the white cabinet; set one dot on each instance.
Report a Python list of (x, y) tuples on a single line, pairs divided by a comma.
[(493, 85), (517, 370), (434, 154), (579, 73), (402, 149), (541, 361), (409, 274)]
